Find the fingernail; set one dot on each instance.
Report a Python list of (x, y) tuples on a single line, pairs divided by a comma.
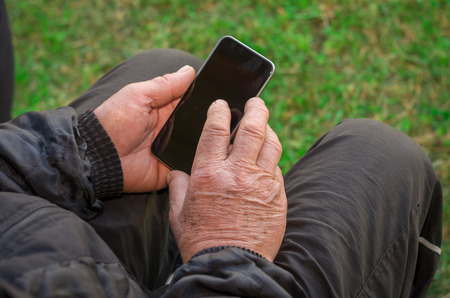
[(184, 68), (221, 102), (256, 99)]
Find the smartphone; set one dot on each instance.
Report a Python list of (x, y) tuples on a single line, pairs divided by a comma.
[(233, 72)]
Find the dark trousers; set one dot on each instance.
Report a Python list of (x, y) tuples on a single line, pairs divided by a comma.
[(364, 215)]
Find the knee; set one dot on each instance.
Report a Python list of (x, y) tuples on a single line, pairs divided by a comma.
[(167, 58), (366, 127), (373, 132), (375, 138)]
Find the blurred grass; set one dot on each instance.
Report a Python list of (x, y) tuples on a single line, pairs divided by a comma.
[(387, 60)]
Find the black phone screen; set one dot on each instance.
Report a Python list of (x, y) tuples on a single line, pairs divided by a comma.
[(232, 72)]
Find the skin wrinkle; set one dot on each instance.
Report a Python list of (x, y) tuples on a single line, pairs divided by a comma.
[(158, 89), (276, 145), (240, 179), (251, 130), (215, 218), (219, 234), (223, 202), (217, 131)]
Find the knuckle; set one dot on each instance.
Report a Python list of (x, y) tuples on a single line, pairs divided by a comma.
[(253, 129), (163, 84), (216, 127), (164, 79), (206, 172), (279, 175), (275, 145), (215, 133)]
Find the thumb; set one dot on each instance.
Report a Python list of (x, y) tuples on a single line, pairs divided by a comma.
[(162, 90), (178, 183)]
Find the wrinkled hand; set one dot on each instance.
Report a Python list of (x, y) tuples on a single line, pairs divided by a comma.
[(235, 194), (133, 117)]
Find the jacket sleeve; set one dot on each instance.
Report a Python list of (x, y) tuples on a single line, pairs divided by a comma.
[(55, 155), (232, 272)]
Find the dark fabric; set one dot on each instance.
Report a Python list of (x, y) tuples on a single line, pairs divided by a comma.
[(50, 252), (6, 66), (7, 290), (358, 201), (233, 272), (47, 251), (106, 169), (42, 154)]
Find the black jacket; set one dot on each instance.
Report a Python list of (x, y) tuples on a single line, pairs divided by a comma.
[(49, 180)]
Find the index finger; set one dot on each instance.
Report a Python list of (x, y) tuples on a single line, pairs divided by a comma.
[(215, 138)]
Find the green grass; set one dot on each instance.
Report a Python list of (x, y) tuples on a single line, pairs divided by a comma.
[(387, 60)]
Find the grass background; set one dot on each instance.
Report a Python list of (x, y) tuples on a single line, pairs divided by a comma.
[(382, 59)]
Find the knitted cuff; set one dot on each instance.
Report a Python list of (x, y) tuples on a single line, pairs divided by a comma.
[(106, 169), (214, 249)]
